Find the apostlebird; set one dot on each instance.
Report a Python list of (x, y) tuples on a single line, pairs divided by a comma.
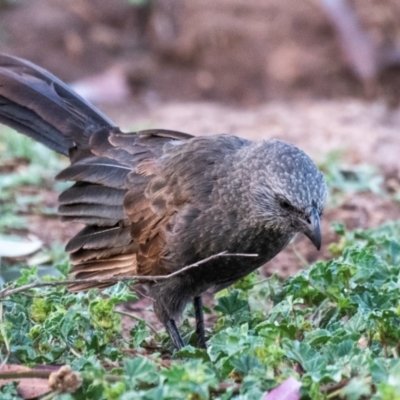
[(156, 201)]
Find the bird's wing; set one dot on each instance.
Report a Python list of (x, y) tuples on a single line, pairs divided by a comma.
[(139, 194), (165, 215), (108, 167), (109, 197)]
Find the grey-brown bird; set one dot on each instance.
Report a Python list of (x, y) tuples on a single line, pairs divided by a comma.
[(156, 201)]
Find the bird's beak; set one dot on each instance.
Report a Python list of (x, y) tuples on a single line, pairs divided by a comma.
[(313, 229)]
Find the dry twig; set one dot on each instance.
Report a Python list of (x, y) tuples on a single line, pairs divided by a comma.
[(10, 290)]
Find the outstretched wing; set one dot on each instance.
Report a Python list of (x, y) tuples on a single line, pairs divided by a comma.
[(113, 194), (124, 234)]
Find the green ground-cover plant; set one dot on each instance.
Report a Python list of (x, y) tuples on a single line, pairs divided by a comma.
[(35, 166), (345, 179), (335, 327)]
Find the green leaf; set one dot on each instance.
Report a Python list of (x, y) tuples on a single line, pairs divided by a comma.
[(139, 333), (356, 389), (231, 303), (193, 352), (246, 364), (140, 369)]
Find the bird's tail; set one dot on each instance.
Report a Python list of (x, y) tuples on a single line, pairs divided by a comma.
[(39, 105)]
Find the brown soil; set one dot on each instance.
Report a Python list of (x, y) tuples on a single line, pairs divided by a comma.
[(227, 50)]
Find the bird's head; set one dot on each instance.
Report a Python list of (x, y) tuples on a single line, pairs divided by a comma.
[(288, 189)]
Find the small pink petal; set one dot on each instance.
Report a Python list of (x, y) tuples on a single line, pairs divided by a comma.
[(288, 390)]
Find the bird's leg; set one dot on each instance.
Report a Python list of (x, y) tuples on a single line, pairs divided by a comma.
[(198, 309), (174, 334)]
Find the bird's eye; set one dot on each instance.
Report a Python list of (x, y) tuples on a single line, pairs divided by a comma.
[(285, 204)]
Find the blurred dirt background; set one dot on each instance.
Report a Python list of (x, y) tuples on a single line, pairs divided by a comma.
[(322, 74)]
